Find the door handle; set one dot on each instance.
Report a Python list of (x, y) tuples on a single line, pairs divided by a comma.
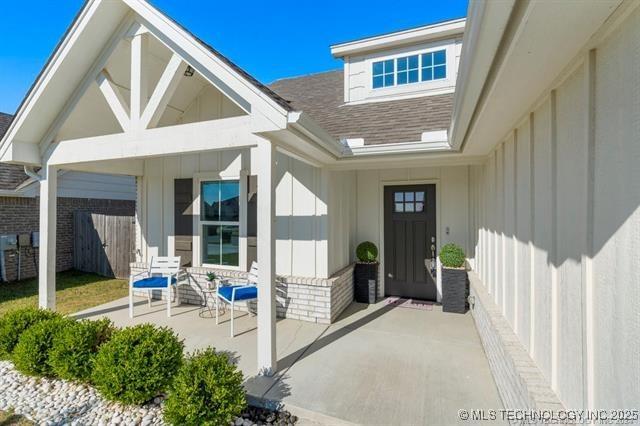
[(390, 275)]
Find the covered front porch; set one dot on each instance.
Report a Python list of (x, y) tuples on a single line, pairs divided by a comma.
[(377, 364)]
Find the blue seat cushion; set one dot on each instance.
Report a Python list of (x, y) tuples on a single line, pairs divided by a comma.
[(242, 293), (153, 282)]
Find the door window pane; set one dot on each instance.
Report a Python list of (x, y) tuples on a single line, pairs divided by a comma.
[(220, 245), (408, 202)]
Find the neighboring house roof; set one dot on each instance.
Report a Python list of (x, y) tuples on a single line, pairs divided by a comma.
[(322, 97), (11, 175)]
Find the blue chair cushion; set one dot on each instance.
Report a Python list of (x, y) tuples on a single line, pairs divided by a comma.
[(242, 293), (153, 282)]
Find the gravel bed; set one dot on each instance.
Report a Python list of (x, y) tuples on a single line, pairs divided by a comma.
[(58, 402)]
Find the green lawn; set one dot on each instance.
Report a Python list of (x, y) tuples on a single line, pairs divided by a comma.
[(75, 291), (8, 418)]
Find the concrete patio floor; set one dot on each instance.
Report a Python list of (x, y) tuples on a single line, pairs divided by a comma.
[(376, 365)]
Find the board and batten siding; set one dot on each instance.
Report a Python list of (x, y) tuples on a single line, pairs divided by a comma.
[(301, 207), (556, 224)]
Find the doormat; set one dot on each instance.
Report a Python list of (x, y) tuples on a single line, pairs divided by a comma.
[(399, 302)]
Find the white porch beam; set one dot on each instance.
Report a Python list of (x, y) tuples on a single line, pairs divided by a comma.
[(163, 92), (47, 254), (139, 86), (267, 357), (227, 133), (115, 99)]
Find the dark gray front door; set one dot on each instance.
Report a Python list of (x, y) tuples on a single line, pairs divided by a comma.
[(409, 233)]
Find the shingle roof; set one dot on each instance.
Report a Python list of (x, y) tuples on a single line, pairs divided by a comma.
[(10, 175), (321, 96)]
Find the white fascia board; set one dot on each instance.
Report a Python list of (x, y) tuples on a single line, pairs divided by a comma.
[(398, 148), (486, 24), (399, 38)]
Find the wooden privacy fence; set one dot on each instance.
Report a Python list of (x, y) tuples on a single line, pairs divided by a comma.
[(103, 244)]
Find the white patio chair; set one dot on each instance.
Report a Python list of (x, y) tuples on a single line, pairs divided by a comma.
[(163, 274), (235, 293)]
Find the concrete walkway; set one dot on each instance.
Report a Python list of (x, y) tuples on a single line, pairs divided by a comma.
[(376, 365)]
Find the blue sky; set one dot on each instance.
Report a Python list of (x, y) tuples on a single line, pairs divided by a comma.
[(268, 39)]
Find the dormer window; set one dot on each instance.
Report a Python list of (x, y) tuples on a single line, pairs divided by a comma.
[(434, 65), (383, 74), (410, 69)]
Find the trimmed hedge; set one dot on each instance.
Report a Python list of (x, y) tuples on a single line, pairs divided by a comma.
[(367, 252), (16, 322), (206, 391), (31, 354), (137, 363), (76, 346), (452, 256)]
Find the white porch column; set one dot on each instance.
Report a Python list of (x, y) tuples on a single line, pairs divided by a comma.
[(47, 267), (265, 162)]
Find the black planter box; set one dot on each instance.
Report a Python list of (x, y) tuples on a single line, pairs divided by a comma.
[(365, 282), (455, 290)]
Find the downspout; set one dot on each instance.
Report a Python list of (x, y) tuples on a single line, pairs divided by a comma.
[(29, 171)]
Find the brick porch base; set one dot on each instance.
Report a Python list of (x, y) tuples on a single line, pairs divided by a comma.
[(318, 300)]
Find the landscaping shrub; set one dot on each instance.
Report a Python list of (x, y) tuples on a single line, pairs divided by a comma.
[(367, 252), (76, 346), (31, 354), (452, 256), (137, 363), (206, 391), (15, 322)]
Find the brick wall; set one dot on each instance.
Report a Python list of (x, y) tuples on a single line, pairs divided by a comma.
[(520, 382), (319, 300), (21, 216)]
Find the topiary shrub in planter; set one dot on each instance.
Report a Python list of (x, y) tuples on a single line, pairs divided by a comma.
[(31, 354), (455, 281), (206, 391), (16, 322), (76, 346), (365, 273), (137, 364)]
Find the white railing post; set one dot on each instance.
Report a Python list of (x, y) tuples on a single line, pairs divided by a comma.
[(265, 157), (47, 268)]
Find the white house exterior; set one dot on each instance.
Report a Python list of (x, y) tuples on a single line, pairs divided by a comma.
[(513, 134)]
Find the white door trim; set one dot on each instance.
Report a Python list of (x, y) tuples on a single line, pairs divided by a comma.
[(382, 185)]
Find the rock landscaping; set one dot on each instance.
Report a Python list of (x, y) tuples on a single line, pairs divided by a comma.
[(58, 402)]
